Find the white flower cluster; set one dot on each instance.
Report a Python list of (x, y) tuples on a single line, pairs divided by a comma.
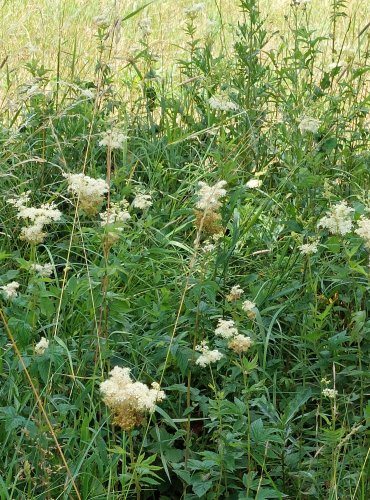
[(39, 217), (330, 393), (210, 244), (240, 343), (21, 200), (88, 191), (207, 357), (42, 270), (235, 293), (142, 201), (209, 196), (338, 220), (297, 3), (193, 11), (41, 346), (363, 230), (309, 248), (10, 290), (113, 139), (222, 103), (128, 400), (145, 26), (227, 330), (208, 247), (250, 308), (117, 213), (309, 124), (253, 183), (102, 20)]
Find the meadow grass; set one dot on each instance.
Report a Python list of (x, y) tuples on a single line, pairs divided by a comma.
[(188, 200)]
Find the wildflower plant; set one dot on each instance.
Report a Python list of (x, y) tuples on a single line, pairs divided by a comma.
[(129, 400), (338, 220), (38, 217), (88, 192), (192, 213), (207, 356)]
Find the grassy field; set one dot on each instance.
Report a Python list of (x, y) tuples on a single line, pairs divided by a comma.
[(31, 28), (185, 237)]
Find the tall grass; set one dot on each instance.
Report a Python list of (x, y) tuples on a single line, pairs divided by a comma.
[(273, 99)]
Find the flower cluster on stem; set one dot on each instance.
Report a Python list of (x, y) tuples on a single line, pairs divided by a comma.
[(129, 400)]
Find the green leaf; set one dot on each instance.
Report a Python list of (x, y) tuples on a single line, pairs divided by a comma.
[(200, 488), (302, 396), (267, 409), (266, 493), (134, 12), (333, 244), (166, 417), (4, 255), (257, 432), (184, 475)]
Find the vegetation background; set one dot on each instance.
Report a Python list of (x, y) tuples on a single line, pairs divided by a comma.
[(273, 98)]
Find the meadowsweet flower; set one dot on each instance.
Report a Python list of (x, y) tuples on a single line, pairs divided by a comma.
[(88, 191), (338, 219), (41, 346), (145, 26), (32, 49), (211, 24), (128, 400), (226, 328), (117, 213), (45, 214), (21, 200), (33, 234), (250, 308), (222, 103), (240, 343), (235, 293), (113, 138), (193, 11), (309, 248), (298, 3), (207, 357), (10, 290), (102, 20), (42, 270), (209, 196), (309, 124), (254, 183), (329, 393), (208, 247), (142, 201), (363, 230), (248, 305), (210, 222)]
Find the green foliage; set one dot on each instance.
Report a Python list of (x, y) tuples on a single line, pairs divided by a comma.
[(255, 424)]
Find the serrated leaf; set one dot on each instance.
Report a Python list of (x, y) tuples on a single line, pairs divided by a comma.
[(200, 488)]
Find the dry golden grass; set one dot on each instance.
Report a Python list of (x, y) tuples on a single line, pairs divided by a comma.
[(37, 28)]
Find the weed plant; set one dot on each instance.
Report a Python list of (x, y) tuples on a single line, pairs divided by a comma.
[(206, 227)]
